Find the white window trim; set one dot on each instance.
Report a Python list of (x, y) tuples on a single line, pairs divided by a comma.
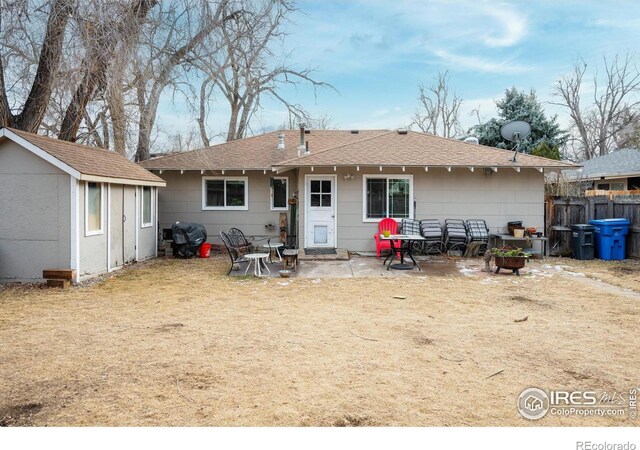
[(365, 219), (225, 208), (142, 224), (273, 208), (88, 233)]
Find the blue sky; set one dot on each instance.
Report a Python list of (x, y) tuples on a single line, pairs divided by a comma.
[(376, 53)]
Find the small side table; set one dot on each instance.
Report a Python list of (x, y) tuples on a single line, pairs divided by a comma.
[(258, 260), (274, 246), (290, 259)]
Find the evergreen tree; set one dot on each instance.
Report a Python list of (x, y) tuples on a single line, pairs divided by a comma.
[(546, 152), (518, 105)]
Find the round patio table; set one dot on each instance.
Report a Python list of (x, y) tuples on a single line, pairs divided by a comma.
[(258, 260), (274, 246)]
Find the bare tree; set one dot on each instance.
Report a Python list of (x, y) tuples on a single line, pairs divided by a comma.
[(30, 112), (244, 72), (439, 110), (615, 105)]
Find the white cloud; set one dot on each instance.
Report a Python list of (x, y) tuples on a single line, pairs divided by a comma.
[(481, 64), (512, 26)]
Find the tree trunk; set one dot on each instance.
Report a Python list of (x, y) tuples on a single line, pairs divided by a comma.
[(37, 101)]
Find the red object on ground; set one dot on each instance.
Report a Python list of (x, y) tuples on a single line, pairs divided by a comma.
[(391, 226), (205, 250)]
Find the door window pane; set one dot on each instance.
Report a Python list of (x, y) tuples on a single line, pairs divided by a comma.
[(94, 207), (215, 192), (326, 186), (320, 234), (279, 193), (315, 199), (315, 185), (235, 193), (326, 200), (376, 198)]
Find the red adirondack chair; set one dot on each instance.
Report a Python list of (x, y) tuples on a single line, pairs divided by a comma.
[(386, 225)]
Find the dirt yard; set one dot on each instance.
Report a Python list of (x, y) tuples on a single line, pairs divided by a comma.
[(178, 343)]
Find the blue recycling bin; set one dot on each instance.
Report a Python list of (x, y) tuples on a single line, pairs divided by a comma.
[(611, 238)]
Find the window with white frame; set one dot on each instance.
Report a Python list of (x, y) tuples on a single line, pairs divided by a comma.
[(147, 207), (279, 193), (93, 208), (387, 196), (225, 193)]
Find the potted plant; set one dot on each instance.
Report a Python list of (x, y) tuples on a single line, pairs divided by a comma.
[(509, 257)]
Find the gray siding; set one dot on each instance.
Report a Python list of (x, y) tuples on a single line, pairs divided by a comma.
[(93, 249), (34, 215), (461, 194), (181, 201)]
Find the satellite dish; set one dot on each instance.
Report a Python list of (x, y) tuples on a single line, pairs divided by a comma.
[(515, 131)]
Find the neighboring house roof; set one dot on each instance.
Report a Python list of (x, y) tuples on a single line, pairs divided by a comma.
[(83, 162), (620, 163), (346, 148)]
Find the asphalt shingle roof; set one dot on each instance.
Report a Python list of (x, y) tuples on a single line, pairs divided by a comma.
[(343, 147), (89, 160), (625, 161)]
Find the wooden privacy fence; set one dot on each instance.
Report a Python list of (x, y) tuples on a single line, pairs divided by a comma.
[(560, 212)]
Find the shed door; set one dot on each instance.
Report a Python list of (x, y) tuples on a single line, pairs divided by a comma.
[(115, 230), (129, 225)]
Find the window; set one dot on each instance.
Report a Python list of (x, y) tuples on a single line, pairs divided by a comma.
[(279, 194), (320, 191), (611, 186), (225, 193), (147, 205), (93, 208), (387, 196)]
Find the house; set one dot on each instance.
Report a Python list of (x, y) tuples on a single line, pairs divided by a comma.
[(68, 206), (345, 181), (617, 171)]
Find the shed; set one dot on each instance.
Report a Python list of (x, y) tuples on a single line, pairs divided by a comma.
[(69, 206)]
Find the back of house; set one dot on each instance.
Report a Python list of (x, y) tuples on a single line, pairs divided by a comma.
[(343, 182)]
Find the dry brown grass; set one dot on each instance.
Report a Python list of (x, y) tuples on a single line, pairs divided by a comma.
[(177, 343), (624, 274)]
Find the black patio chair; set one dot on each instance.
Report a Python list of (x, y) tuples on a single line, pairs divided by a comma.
[(236, 252), (431, 230), (455, 235), (478, 233), (238, 240)]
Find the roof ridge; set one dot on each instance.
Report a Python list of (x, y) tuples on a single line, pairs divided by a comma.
[(503, 150), (62, 141), (288, 161)]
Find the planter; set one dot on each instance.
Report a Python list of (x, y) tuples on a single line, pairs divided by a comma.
[(514, 263)]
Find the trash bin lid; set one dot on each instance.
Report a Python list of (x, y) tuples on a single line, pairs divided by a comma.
[(605, 222), (582, 226)]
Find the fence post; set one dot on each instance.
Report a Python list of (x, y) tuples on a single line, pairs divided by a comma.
[(609, 208)]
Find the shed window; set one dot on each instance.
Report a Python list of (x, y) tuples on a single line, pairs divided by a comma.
[(147, 207), (279, 193), (388, 196), (225, 193), (93, 209)]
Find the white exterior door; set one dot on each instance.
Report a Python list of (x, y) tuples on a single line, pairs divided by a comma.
[(320, 224)]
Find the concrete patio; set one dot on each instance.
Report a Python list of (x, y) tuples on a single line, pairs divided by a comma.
[(358, 266)]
